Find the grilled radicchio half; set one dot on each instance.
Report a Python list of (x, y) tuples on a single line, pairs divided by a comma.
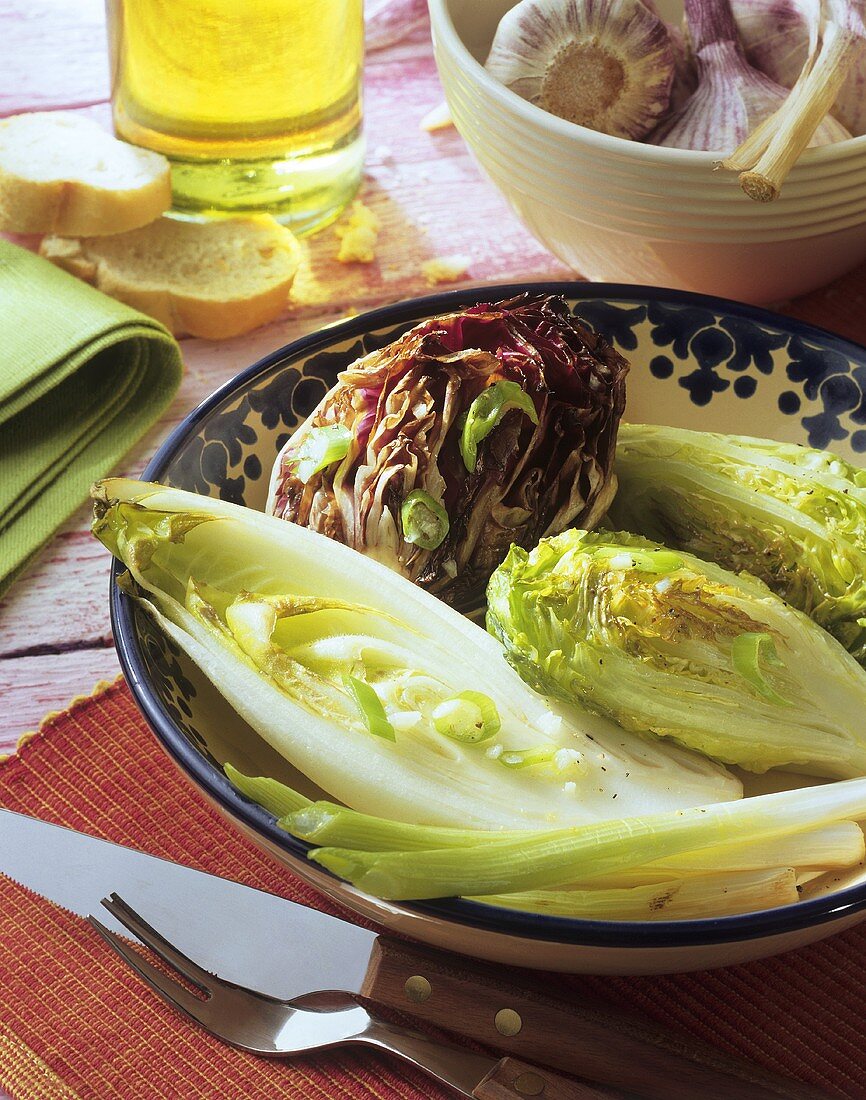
[(473, 431)]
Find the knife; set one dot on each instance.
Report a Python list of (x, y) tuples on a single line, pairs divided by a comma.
[(291, 952)]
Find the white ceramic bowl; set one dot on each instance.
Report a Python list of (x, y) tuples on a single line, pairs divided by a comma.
[(623, 211), (696, 362)]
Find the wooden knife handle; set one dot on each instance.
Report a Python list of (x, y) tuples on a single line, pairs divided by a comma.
[(511, 1079), (598, 1044)]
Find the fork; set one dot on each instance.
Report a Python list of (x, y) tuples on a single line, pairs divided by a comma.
[(264, 1025)]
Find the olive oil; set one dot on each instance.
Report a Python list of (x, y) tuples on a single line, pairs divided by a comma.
[(257, 103)]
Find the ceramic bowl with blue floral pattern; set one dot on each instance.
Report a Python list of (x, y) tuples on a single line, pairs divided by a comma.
[(696, 362)]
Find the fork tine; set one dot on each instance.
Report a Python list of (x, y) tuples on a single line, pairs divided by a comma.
[(160, 983), (130, 920)]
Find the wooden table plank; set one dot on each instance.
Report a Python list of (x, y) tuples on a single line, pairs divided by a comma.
[(62, 605), (53, 681), (54, 54)]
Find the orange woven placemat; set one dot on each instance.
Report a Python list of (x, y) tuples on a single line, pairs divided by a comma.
[(75, 1023)]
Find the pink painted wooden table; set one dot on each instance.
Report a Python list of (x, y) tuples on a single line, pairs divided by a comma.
[(55, 640)]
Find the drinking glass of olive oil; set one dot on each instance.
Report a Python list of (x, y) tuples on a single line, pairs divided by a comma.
[(256, 103)]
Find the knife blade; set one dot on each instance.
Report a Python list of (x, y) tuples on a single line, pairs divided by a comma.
[(286, 950), (244, 935)]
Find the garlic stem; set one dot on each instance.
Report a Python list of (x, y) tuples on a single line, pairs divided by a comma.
[(804, 110), (749, 152), (778, 37), (746, 155), (732, 99)]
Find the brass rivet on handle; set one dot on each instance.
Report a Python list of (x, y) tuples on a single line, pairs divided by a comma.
[(417, 988), (529, 1084), (508, 1022)]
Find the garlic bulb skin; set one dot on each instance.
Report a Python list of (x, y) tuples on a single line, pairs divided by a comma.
[(685, 82), (778, 36), (604, 64), (685, 71), (730, 100), (732, 97)]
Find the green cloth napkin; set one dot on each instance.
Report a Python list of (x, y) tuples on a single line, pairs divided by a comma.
[(82, 377)]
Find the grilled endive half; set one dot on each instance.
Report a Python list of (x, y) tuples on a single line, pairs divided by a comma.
[(661, 641), (386, 698), (793, 516)]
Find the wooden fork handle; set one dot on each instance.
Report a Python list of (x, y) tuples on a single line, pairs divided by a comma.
[(511, 1079), (597, 1044)]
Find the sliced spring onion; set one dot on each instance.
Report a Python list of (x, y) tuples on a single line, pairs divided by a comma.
[(486, 411), (646, 561), (276, 797), (371, 707), (425, 522), (320, 448), (746, 653), (569, 762), (526, 758), (469, 717)]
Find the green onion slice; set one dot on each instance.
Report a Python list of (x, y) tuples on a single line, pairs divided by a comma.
[(526, 758), (746, 653), (320, 448), (645, 561), (371, 707), (486, 411), (425, 521), (469, 717)]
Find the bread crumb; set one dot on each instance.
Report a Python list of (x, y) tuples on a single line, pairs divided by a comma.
[(358, 235), (444, 269), (437, 119)]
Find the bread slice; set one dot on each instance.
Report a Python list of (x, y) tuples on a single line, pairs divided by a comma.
[(212, 279), (62, 173)]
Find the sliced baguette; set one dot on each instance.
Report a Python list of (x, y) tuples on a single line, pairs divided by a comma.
[(62, 173), (214, 280)]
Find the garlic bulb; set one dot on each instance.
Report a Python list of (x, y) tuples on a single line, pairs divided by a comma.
[(605, 64), (732, 98), (770, 151), (779, 36)]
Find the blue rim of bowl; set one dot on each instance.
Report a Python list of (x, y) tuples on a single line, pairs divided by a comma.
[(552, 929)]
